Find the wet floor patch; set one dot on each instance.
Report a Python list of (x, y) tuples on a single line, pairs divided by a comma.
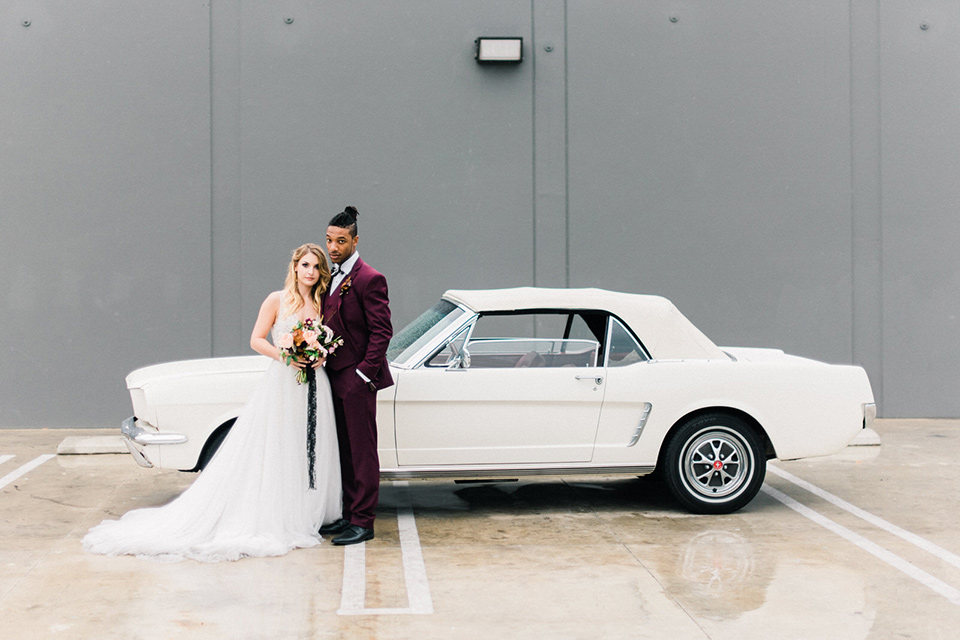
[(549, 557)]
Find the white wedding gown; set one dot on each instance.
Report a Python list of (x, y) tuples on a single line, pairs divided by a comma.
[(252, 499)]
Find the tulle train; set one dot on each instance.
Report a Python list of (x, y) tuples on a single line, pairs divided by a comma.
[(252, 499)]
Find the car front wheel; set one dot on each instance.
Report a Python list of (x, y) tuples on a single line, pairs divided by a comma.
[(714, 463)]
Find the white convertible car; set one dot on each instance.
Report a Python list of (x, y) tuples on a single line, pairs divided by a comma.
[(530, 381)]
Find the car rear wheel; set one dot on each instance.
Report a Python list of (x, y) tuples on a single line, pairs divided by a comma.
[(714, 463)]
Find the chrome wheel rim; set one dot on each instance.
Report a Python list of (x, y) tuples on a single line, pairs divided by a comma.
[(716, 464)]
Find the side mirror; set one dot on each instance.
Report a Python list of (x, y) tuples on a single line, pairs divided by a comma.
[(460, 362)]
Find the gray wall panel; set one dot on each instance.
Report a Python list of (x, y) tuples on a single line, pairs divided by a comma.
[(371, 104), (920, 137), (867, 312), (710, 163), (225, 173), (104, 192), (785, 172), (547, 52)]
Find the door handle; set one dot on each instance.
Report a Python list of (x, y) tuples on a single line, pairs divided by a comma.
[(596, 379)]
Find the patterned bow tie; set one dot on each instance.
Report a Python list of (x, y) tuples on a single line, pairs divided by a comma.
[(336, 271)]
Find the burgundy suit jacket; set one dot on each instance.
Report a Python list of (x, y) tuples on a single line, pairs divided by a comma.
[(359, 311)]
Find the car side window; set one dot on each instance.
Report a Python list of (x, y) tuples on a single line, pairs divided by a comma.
[(519, 353), (532, 340), (623, 349)]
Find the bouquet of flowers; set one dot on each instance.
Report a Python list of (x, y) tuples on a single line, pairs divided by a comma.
[(307, 342)]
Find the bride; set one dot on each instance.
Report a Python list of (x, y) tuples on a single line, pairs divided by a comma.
[(253, 499)]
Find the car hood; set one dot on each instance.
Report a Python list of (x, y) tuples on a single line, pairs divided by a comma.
[(182, 368)]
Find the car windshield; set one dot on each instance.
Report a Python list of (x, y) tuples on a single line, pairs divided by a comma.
[(425, 328)]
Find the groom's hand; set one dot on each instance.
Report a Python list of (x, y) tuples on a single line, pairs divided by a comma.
[(372, 387)]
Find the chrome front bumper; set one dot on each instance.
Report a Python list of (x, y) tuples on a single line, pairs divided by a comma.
[(869, 414), (136, 437)]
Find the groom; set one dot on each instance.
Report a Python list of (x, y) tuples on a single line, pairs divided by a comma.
[(357, 308)]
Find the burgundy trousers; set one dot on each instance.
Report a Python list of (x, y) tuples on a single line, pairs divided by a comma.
[(355, 407)]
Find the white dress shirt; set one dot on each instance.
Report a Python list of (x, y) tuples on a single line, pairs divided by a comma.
[(338, 279), (345, 270)]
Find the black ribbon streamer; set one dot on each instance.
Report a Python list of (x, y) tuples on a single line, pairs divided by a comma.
[(311, 425)]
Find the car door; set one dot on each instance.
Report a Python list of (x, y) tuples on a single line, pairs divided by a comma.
[(512, 401), (631, 384)]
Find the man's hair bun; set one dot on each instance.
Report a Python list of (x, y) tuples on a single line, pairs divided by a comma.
[(346, 219)]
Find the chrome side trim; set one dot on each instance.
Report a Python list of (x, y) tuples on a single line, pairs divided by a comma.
[(437, 472), (869, 414), (643, 422), (132, 430)]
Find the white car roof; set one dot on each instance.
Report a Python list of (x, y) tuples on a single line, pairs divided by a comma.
[(665, 332)]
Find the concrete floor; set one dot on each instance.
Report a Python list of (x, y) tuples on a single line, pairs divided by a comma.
[(608, 558)]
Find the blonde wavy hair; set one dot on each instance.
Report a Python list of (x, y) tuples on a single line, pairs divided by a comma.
[(292, 300)]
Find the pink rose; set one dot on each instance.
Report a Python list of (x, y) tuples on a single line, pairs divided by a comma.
[(285, 341), (309, 336)]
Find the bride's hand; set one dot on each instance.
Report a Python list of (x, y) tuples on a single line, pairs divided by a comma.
[(299, 364), (319, 363)]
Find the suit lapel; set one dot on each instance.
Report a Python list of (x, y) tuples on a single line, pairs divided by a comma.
[(356, 268), (334, 301), (331, 302)]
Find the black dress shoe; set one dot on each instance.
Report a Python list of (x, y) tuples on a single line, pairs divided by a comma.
[(354, 534), (337, 526)]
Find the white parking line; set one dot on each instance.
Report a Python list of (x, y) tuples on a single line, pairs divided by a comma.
[(921, 576), (354, 587), (6, 457), (30, 466), (353, 591), (876, 521), (414, 570)]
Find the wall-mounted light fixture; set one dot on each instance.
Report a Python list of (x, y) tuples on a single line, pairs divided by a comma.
[(499, 50)]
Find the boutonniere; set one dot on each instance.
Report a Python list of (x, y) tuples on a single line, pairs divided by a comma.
[(346, 285)]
